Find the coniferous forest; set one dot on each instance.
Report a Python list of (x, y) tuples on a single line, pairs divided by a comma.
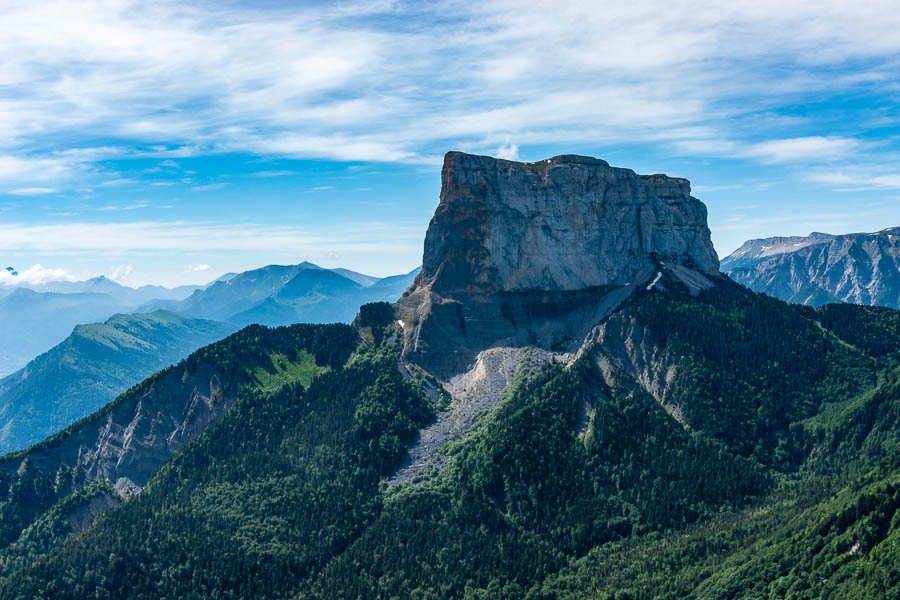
[(785, 485)]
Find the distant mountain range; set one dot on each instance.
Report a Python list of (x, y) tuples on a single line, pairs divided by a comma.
[(35, 317), (122, 293), (97, 362), (571, 402), (32, 322), (281, 295), (91, 367), (859, 268)]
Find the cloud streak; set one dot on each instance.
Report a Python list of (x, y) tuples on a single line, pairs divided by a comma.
[(32, 191), (137, 236), (36, 274), (179, 79)]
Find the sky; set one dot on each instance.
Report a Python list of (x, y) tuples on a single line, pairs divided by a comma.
[(172, 142)]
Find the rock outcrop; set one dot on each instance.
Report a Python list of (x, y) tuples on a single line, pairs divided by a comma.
[(131, 438), (860, 268), (538, 253)]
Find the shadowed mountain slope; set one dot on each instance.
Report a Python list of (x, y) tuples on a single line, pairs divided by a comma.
[(91, 367)]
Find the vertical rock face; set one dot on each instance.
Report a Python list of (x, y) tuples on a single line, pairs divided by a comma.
[(860, 268), (563, 224), (522, 253)]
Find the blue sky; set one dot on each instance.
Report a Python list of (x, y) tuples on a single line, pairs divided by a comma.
[(173, 142)]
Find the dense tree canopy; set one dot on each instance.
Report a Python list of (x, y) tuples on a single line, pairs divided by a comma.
[(782, 482)]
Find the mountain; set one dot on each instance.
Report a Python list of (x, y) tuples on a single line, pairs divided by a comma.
[(38, 316), (91, 367), (536, 252), (363, 280), (634, 426), (224, 299), (861, 268), (128, 296), (78, 376), (280, 295), (34, 322)]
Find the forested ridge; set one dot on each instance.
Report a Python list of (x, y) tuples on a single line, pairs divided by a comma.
[(783, 482), (30, 484)]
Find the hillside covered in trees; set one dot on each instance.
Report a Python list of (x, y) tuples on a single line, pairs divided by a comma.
[(779, 479)]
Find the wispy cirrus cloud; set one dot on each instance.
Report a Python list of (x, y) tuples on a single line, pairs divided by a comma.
[(131, 206), (803, 149), (206, 237), (121, 272), (176, 79), (857, 177), (209, 187), (268, 174), (31, 191)]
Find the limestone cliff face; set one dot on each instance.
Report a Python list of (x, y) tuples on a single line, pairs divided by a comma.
[(564, 224), (860, 268), (530, 253)]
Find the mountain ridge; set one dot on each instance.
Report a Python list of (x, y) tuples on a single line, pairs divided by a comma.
[(91, 367), (672, 434), (283, 294), (861, 268)]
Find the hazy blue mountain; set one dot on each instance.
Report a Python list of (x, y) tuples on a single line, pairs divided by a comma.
[(91, 367), (224, 299), (391, 287), (284, 294), (124, 294), (33, 322), (363, 280), (312, 296), (38, 316)]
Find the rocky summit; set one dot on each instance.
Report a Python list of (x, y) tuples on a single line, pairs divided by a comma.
[(537, 253), (859, 268)]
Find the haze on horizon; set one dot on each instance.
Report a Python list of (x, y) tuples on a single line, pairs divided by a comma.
[(173, 142)]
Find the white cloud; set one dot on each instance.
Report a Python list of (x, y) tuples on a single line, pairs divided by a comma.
[(118, 182), (508, 151), (179, 80), (32, 191), (36, 274), (857, 177), (209, 187), (132, 206), (197, 268), (139, 236), (265, 174), (121, 272), (803, 149)]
